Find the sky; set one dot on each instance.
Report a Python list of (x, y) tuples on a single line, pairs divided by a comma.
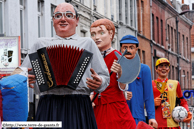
[(187, 2)]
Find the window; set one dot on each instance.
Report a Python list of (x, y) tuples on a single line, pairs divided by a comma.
[(173, 77), (142, 18), (153, 34), (172, 44), (175, 40), (113, 44), (139, 53), (183, 46), (83, 34), (95, 4), (105, 8), (155, 74), (143, 57), (1, 17), (187, 79), (157, 23), (112, 11), (131, 12), (192, 68), (52, 28), (169, 74), (22, 22), (126, 12), (21, 2), (112, 17), (179, 41), (192, 6), (161, 22), (183, 78), (187, 50), (40, 4), (177, 78), (81, 1), (168, 37), (120, 10)]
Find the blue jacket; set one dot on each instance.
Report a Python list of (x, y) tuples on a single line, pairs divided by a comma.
[(142, 93)]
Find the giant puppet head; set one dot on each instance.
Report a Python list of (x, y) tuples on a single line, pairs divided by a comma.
[(65, 20), (130, 43), (162, 68), (102, 32)]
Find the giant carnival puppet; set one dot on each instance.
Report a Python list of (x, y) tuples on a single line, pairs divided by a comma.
[(111, 110), (61, 100), (165, 93), (141, 88)]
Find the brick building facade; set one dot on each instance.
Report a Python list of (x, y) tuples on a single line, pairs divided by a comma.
[(158, 32), (144, 32), (164, 40), (190, 15)]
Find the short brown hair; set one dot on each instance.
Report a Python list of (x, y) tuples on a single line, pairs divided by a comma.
[(107, 23)]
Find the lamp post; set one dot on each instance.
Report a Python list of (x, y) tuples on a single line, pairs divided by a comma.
[(178, 66)]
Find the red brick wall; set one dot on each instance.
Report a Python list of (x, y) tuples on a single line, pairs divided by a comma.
[(158, 11), (192, 36), (145, 36), (169, 51)]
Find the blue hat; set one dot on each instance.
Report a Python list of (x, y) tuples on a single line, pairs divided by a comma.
[(129, 39)]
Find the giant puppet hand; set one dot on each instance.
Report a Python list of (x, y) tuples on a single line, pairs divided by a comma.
[(157, 101), (189, 117), (153, 123), (128, 95), (31, 79), (116, 68), (95, 82)]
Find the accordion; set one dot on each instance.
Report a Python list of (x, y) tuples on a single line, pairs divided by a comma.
[(59, 65)]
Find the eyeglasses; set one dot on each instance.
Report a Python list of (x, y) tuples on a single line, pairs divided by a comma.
[(68, 14)]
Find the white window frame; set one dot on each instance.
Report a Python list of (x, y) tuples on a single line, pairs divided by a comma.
[(53, 33), (131, 18), (81, 1), (83, 33), (94, 2), (22, 25), (39, 13), (2, 2), (120, 10), (126, 12), (105, 8), (112, 11)]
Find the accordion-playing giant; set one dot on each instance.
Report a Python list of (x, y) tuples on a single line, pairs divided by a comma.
[(59, 65)]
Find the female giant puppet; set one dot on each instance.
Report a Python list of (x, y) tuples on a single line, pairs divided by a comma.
[(111, 110)]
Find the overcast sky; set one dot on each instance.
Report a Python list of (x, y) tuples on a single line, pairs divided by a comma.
[(187, 1)]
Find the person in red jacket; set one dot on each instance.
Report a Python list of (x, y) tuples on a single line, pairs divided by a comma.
[(165, 93), (111, 110)]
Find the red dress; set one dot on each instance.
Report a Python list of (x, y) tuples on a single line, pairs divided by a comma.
[(111, 110)]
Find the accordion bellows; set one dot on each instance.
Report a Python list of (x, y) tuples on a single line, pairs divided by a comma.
[(59, 65), (63, 61)]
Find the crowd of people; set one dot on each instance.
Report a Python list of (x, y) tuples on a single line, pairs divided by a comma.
[(111, 109)]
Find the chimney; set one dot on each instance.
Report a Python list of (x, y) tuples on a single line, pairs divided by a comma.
[(183, 2)]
